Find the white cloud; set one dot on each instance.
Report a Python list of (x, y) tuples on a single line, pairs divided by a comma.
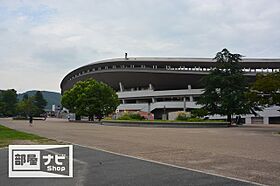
[(41, 41)]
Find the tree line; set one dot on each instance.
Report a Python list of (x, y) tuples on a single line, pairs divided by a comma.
[(28, 106)]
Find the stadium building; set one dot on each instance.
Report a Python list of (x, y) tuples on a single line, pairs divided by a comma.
[(162, 85)]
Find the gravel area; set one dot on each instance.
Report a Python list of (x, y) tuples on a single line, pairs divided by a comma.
[(249, 152)]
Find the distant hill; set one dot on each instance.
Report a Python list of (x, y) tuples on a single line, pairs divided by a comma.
[(53, 98)]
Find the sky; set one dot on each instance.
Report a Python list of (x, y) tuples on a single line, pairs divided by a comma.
[(41, 41)]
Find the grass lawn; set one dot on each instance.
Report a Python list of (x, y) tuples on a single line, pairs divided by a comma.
[(10, 136), (169, 121)]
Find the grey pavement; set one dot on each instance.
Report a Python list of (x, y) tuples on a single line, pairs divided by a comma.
[(94, 167)]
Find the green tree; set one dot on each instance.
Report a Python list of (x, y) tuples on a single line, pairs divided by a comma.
[(90, 98), (27, 107), (25, 97), (39, 102), (1, 108), (266, 89), (226, 88), (8, 101)]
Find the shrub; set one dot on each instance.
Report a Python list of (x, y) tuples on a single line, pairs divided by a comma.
[(182, 117), (131, 116), (199, 113)]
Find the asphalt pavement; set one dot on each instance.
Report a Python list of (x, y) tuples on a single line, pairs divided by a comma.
[(94, 167)]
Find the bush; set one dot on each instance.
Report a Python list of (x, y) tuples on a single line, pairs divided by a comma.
[(131, 116), (199, 113), (182, 117)]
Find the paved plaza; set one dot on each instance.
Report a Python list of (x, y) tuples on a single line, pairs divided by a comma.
[(249, 152), (94, 167)]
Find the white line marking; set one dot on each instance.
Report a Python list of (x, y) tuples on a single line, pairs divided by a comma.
[(166, 164)]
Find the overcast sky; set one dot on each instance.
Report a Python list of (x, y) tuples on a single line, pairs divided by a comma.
[(41, 41)]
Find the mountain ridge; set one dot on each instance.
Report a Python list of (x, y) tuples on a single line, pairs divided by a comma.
[(53, 98)]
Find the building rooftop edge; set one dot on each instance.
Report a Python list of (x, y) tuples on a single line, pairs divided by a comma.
[(178, 59)]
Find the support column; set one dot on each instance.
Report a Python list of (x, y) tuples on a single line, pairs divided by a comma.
[(265, 120), (121, 86), (191, 98), (248, 120), (184, 99), (149, 110), (164, 116)]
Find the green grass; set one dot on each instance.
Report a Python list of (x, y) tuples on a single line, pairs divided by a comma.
[(199, 120), (167, 121), (7, 136)]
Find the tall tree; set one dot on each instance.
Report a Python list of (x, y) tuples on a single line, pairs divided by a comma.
[(1, 107), (8, 101), (91, 98), (39, 102), (27, 107), (226, 87)]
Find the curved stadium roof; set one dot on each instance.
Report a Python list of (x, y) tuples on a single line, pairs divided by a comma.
[(162, 73)]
